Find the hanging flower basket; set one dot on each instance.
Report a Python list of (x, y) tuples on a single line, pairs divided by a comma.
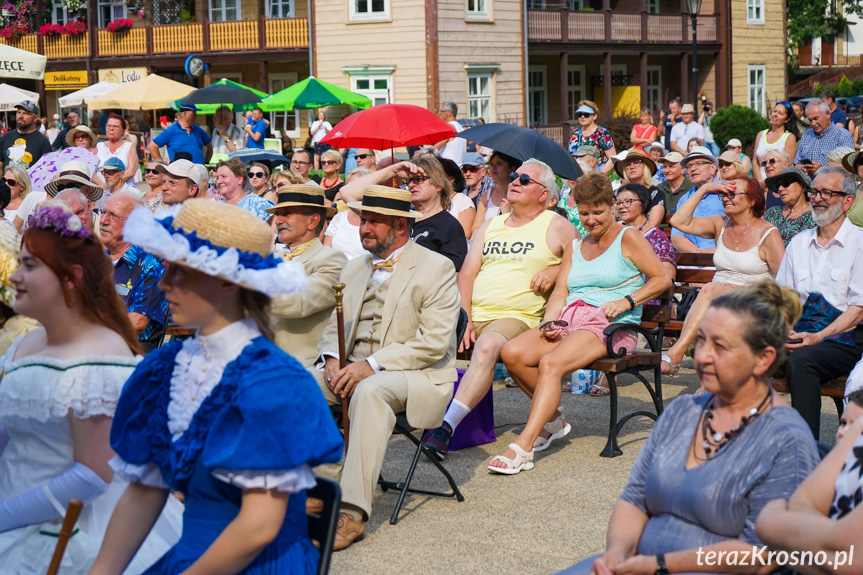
[(13, 32), (119, 25)]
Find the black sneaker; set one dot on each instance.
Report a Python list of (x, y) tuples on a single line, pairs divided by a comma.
[(437, 443)]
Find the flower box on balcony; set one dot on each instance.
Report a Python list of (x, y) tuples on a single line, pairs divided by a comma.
[(49, 30), (120, 25)]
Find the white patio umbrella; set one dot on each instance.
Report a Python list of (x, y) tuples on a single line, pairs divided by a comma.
[(10, 95), (17, 63), (84, 95)]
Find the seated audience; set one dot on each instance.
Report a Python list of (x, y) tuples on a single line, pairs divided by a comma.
[(331, 182), (14, 325), (638, 168), (477, 182), (676, 182), (713, 461), (151, 187), (601, 279), (500, 166), (701, 166), (774, 162), (823, 265), (730, 166), (182, 181), (746, 250), (792, 185), (113, 171), (853, 163), (631, 203), (461, 206), (820, 138), (343, 231), (301, 163), (259, 177), (514, 261), (587, 157), (231, 182)]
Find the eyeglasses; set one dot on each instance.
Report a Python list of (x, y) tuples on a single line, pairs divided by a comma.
[(66, 185), (112, 217), (150, 171), (582, 115), (698, 164), (362, 156), (825, 194), (523, 179), (415, 180), (771, 161), (257, 175), (731, 195), (110, 172), (11, 182), (299, 163), (279, 186), (627, 203), (328, 162), (466, 169)]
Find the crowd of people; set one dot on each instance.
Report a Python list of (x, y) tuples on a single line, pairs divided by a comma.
[(188, 454)]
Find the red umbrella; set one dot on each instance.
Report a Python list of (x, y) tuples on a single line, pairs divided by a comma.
[(389, 126)]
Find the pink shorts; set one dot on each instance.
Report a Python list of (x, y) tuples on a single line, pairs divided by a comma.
[(583, 316)]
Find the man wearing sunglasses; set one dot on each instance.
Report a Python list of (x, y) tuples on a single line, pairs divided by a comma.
[(504, 283), (112, 171), (365, 158), (701, 166), (473, 170), (823, 265)]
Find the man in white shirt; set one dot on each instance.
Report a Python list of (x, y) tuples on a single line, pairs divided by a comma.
[(227, 136), (686, 130), (823, 265), (452, 148)]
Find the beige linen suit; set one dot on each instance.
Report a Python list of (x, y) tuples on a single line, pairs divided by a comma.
[(416, 353), (300, 318)]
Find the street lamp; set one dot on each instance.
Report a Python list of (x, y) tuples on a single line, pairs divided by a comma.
[(694, 8)]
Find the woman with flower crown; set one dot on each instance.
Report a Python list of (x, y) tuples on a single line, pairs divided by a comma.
[(59, 390), (226, 418)]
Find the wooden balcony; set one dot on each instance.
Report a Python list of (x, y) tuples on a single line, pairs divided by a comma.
[(565, 26), (187, 38)]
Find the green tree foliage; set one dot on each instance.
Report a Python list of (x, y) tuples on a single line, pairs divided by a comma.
[(737, 122), (809, 19), (844, 89)]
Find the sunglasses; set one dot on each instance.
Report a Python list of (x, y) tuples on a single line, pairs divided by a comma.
[(466, 169), (257, 175), (151, 171), (110, 172), (328, 163), (415, 180), (362, 156), (11, 182), (731, 195), (784, 183), (523, 179), (771, 161), (582, 115)]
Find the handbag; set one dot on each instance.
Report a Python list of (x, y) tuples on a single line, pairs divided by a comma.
[(686, 303), (818, 313)]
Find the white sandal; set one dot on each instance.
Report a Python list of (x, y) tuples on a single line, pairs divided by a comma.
[(522, 461), (557, 428)]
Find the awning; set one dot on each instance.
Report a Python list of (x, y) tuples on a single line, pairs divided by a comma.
[(10, 95), (17, 63)]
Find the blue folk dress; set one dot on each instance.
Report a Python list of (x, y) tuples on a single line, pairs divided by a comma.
[(259, 422)]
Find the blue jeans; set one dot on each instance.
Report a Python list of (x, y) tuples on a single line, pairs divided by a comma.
[(714, 149)]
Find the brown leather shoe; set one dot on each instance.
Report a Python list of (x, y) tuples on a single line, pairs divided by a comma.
[(314, 506), (348, 531)]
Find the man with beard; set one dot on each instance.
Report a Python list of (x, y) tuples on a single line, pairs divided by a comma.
[(24, 145), (401, 310), (823, 265), (300, 318)]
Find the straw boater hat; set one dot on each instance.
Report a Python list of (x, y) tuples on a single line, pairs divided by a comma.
[(70, 136), (635, 153), (848, 162), (219, 240), (10, 246), (387, 201), (302, 195), (92, 190)]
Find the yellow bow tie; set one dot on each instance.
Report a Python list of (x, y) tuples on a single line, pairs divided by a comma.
[(386, 265)]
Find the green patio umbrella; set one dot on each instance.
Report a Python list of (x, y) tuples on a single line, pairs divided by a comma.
[(211, 108), (313, 93)]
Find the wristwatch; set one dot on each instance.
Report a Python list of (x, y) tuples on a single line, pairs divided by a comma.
[(661, 569)]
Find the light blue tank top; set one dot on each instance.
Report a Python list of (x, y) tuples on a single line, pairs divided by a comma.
[(600, 280)]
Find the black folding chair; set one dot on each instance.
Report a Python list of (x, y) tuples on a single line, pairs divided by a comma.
[(322, 528)]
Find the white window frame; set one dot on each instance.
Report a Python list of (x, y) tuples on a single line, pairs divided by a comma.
[(755, 12), (757, 101), (221, 13), (373, 73), (354, 15), (277, 82), (652, 6), (575, 93), (57, 7), (281, 4), (481, 9), (534, 92), (117, 8), (654, 103)]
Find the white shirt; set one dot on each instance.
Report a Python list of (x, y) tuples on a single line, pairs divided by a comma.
[(324, 128), (235, 134), (455, 148), (28, 205), (682, 133), (346, 236), (834, 270)]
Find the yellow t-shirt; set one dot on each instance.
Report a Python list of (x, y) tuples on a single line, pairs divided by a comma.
[(510, 259)]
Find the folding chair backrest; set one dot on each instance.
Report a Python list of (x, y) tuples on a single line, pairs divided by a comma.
[(322, 528)]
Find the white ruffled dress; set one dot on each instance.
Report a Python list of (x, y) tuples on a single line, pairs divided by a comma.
[(37, 395)]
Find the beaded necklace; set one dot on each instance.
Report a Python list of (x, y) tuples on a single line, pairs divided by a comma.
[(714, 440)]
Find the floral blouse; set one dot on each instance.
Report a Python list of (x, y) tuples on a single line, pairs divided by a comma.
[(661, 245), (600, 139), (789, 228), (571, 213)]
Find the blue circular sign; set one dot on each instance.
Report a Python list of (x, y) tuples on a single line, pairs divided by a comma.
[(194, 66)]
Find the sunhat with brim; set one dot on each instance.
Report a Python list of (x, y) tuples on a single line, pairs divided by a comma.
[(848, 162), (698, 152), (633, 154), (70, 136), (729, 157), (790, 172), (302, 195), (387, 201), (585, 109), (654, 145), (587, 150), (90, 189), (687, 109), (217, 239)]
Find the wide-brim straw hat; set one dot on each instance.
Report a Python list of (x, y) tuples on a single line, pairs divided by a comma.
[(387, 201), (302, 195), (219, 240), (635, 153), (848, 162), (90, 189), (70, 135)]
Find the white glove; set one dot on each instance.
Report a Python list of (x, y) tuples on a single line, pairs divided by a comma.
[(49, 501)]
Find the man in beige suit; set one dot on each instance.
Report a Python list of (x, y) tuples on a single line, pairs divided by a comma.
[(300, 318), (401, 308)]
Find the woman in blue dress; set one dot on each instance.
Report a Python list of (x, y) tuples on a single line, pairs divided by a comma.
[(226, 418)]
